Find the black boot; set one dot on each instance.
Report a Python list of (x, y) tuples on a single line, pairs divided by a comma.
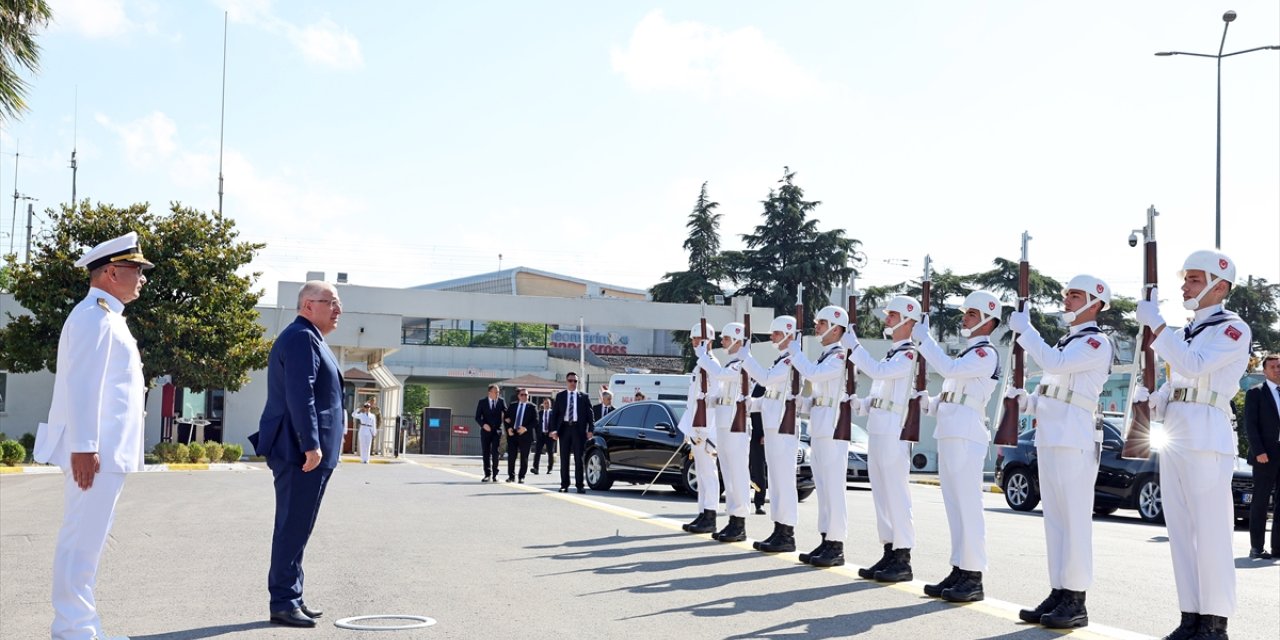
[(967, 589), (1070, 612), (1187, 628), (832, 556), (696, 522), (935, 590), (869, 573), (805, 557), (1034, 615), (898, 569), (708, 523), (1211, 628), (784, 542), (759, 545), (735, 531)]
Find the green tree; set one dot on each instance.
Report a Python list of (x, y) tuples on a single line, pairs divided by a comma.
[(946, 291), (700, 281), (1043, 291), (512, 334), (6, 277), (1121, 318), (1256, 301), (416, 398), (20, 22), (195, 320)]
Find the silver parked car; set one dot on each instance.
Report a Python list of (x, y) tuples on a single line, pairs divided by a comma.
[(857, 469)]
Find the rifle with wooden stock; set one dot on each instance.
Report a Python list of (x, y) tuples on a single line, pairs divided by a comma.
[(911, 425), (788, 425), (700, 409), (844, 420), (740, 416), (1137, 440), (1007, 431)]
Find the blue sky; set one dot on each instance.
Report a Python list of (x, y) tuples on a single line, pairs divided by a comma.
[(408, 142)]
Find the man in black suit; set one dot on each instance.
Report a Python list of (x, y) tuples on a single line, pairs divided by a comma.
[(490, 412), (571, 417), (756, 464), (1262, 424), (605, 407), (542, 437), (522, 420)]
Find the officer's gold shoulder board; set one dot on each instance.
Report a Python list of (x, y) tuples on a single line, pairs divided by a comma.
[(102, 303)]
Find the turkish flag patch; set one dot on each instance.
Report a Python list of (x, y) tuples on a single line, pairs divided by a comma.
[(787, 361), (1233, 333), (982, 353), (911, 356), (1093, 342), (840, 355)]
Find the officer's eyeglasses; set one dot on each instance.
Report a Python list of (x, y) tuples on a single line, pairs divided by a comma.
[(333, 303)]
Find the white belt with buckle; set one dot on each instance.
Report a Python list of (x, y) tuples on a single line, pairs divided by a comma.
[(955, 397), (824, 402), (1202, 396), (726, 402), (774, 395), (885, 404), (1063, 394)]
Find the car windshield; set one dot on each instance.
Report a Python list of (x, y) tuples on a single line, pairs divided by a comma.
[(857, 433), (677, 409)]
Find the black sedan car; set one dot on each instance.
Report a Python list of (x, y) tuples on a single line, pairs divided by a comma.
[(638, 440), (1121, 483)]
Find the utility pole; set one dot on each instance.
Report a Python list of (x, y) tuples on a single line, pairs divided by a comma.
[(75, 120), (222, 119), (31, 211)]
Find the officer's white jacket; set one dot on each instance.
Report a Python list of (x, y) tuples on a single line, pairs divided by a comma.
[(1213, 360), (98, 392), (776, 381), (971, 378), (1082, 366), (727, 380), (890, 382), (691, 407), (826, 378)]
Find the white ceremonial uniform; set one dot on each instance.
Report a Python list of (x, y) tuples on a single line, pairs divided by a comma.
[(1067, 446), (704, 445), (830, 456), (779, 449), (968, 381), (1206, 360), (98, 403), (367, 431), (734, 449), (888, 455)]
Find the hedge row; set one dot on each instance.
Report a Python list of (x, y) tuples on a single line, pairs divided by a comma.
[(172, 452)]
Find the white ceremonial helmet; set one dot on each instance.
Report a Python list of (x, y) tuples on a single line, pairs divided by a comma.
[(1215, 265), (735, 331), (696, 331), (906, 306), (785, 324), (1094, 289), (835, 317), (986, 304)]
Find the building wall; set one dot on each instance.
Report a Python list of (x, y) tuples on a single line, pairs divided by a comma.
[(532, 284)]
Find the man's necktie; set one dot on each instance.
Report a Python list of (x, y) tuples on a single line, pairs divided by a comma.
[(520, 416), (573, 407)]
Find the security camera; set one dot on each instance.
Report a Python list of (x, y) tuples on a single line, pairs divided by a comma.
[(1133, 239)]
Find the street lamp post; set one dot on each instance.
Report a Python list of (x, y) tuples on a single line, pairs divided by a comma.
[(1227, 19)]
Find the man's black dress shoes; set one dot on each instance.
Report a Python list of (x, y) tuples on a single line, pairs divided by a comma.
[(295, 618), (564, 489), (311, 613), (1259, 554), (581, 490)]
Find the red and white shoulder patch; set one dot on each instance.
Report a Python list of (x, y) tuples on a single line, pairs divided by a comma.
[(840, 355), (1093, 342), (982, 353), (787, 361), (911, 355), (1233, 332)]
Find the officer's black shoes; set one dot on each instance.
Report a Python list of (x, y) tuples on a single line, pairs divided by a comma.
[(535, 469), (1212, 628), (806, 557), (484, 479), (735, 531), (898, 569), (832, 556), (759, 510), (759, 545), (967, 589), (869, 573), (1034, 615), (702, 515), (511, 478), (564, 489), (708, 524), (783, 540), (1070, 612), (935, 590), (1187, 628), (309, 612), (1258, 554), (295, 618), (582, 489)]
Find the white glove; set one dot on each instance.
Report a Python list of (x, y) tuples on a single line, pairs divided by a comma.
[(923, 397), (1020, 395), (1020, 322), (1149, 312), (850, 340), (863, 407), (1141, 394), (921, 330), (700, 350)]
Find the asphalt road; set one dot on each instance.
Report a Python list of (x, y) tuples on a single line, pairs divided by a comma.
[(187, 559)]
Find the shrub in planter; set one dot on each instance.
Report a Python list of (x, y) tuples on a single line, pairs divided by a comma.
[(166, 451), (12, 453), (28, 442), (195, 452), (181, 453), (213, 451), (232, 452)]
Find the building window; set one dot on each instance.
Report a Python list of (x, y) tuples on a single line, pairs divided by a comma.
[(4, 388)]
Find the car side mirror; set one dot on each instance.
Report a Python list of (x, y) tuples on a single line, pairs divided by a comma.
[(1111, 445), (662, 426)]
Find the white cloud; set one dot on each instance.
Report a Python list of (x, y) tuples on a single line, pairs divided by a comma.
[(696, 58), (146, 140), (92, 18), (323, 42)]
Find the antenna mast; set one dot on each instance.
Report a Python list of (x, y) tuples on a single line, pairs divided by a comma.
[(222, 119)]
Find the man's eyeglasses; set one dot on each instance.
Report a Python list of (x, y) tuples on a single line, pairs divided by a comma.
[(333, 303)]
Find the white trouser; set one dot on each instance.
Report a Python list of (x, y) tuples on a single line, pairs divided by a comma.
[(780, 456), (85, 525), (831, 463), (734, 453), (960, 464), (708, 476), (889, 467), (365, 436), (1195, 487), (1067, 476)]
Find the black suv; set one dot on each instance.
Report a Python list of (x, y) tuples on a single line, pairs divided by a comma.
[(1121, 483), (633, 443)]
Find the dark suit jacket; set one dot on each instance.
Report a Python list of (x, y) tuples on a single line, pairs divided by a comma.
[(597, 411), (492, 417), (560, 412), (528, 421), (1262, 423), (304, 399)]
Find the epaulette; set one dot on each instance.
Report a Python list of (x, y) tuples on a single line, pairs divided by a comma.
[(102, 304)]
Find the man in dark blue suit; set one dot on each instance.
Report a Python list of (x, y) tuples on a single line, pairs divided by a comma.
[(300, 435), (571, 419), (1262, 424)]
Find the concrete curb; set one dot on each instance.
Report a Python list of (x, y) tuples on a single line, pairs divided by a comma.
[(934, 482), (150, 468)]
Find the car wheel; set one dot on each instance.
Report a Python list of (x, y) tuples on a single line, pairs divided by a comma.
[(801, 494), (1104, 511), (1150, 509), (688, 478), (1020, 491), (597, 471)]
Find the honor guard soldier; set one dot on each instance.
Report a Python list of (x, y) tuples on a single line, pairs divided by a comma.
[(1206, 360), (732, 448), (95, 426), (968, 381), (888, 455), (779, 449), (830, 456), (702, 444), (1068, 444)]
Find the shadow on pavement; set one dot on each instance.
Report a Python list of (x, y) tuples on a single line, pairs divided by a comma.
[(700, 583), (1030, 632), (599, 542), (841, 626), (206, 632)]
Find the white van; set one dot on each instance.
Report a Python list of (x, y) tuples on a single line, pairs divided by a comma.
[(654, 387)]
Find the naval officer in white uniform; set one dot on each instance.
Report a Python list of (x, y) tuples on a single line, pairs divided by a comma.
[(95, 426)]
